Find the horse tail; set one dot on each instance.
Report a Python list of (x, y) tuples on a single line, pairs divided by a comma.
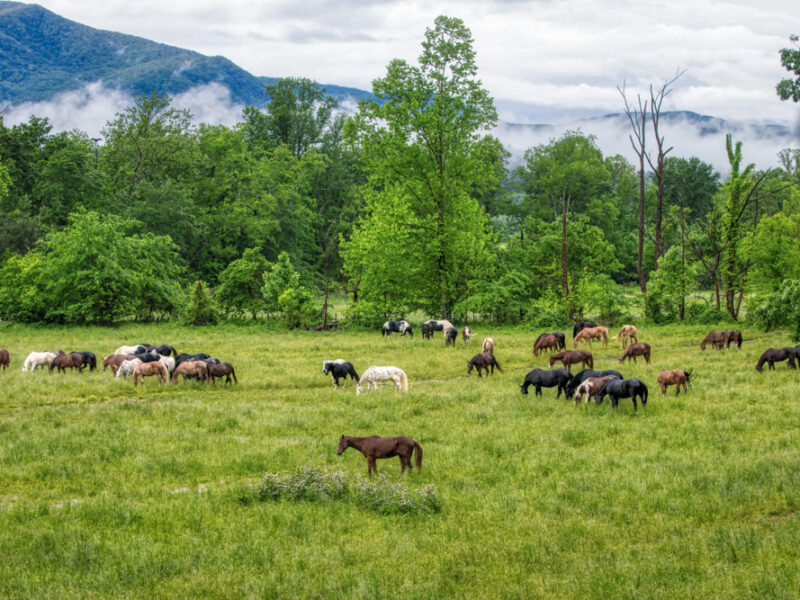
[(591, 361), (739, 343), (497, 364), (418, 450), (353, 374), (233, 373), (404, 383)]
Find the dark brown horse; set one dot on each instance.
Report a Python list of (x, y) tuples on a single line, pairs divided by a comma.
[(484, 360), (676, 377), (546, 341), (374, 447), (773, 355), (571, 357), (64, 361), (634, 350), (734, 337), (223, 370), (5, 358)]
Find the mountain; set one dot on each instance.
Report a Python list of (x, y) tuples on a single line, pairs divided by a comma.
[(43, 54)]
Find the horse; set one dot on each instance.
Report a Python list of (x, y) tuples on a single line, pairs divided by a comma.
[(5, 358), (339, 369), (676, 377), (562, 340), (38, 359), (717, 339), (163, 349), (401, 327), (466, 334), (434, 325), (115, 360), (735, 337), (773, 355), (138, 349), (546, 342), (183, 357), (571, 357), (591, 387), (582, 325), (374, 447), (634, 350), (144, 369), (587, 334), (373, 375), (578, 379), (488, 345), (623, 388), (539, 378), (222, 370), (64, 361), (127, 367), (89, 360), (147, 357), (450, 335), (168, 362), (484, 360), (198, 368), (627, 333), (427, 330)]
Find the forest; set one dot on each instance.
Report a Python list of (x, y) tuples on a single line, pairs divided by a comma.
[(407, 206)]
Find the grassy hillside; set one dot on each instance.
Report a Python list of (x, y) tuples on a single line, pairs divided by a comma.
[(107, 491)]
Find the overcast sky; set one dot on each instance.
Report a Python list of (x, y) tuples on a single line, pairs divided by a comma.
[(562, 58)]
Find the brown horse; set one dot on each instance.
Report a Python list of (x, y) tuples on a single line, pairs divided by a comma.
[(64, 361), (717, 339), (194, 367), (115, 360), (634, 350), (225, 370), (143, 370), (546, 342), (628, 333), (590, 333), (374, 447), (484, 360), (591, 387), (5, 358), (734, 337), (571, 357), (676, 377)]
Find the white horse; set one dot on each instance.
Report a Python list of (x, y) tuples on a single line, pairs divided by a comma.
[(38, 359), (488, 346), (373, 375), (129, 350), (127, 368), (168, 362), (467, 334)]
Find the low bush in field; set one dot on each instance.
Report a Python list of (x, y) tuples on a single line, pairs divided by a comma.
[(314, 484)]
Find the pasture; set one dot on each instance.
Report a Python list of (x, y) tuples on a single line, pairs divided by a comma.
[(107, 491)]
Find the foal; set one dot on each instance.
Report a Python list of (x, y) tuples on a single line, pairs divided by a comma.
[(374, 447)]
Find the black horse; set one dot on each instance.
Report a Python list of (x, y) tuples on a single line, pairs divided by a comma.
[(147, 357), (578, 379), (540, 378), (773, 355), (183, 357), (89, 359), (450, 336), (427, 330), (562, 342), (163, 349), (623, 388), (582, 325), (339, 369), (401, 327)]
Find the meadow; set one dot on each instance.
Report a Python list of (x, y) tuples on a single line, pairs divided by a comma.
[(107, 491)]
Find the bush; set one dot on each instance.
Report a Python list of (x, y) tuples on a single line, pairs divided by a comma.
[(548, 311), (704, 312), (781, 309), (201, 309)]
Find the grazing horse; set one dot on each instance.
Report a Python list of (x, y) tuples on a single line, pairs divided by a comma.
[(634, 350), (562, 340), (571, 357), (587, 334), (163, 349), (147, 357), (222, 370), (450, 335), (168, 362), (427, 330), (624, 388), (484, 360), (38, 359), (466, 334), (488, 345), (401, 327), (578, 379), (64, 361), (183, 357), (582, 325), (115, 360), (89, 359), (189, 368), (627, 333), (339, 369), (546, 342), (127, 367), (676, 377), (374, 447), (540, 378), (434, 325), (591, 387), (717, 339), (773, 355), (139, 349), (144, 369), (734, 337), (373, 375), (5, 358)]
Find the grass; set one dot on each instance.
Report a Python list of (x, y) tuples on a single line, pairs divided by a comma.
[(107, 491)]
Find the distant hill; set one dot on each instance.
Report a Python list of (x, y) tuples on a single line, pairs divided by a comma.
[(43, 54)]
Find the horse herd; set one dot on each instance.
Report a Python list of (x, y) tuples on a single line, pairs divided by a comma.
[(140, 361)]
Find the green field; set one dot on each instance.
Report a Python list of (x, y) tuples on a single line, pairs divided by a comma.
[(114, 492)]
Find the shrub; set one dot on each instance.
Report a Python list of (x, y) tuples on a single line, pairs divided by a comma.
[(781, 309), (548, 311), (201, 309)]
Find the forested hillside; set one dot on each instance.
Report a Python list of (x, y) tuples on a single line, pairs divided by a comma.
[(406, 206)]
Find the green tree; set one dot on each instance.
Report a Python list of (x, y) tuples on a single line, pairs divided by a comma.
[(774, 251), (421, 145), (668, 287), (790, 60), (200, 309), (240, 283), (781, 309), (281, 277)]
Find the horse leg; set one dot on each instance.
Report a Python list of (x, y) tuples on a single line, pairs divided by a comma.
[(371, 466), (663, 389), (538, 390)]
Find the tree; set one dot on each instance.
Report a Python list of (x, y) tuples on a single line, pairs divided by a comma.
[(790, 60), (241, 282), (669, 286), (421, 144), (200, 310)]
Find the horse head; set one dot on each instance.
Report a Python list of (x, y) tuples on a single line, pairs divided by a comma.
[(342, 446)]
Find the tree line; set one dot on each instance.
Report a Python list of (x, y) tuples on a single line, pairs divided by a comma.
[(407, 205)]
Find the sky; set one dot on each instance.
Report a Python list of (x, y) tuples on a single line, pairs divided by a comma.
[(544, 61)]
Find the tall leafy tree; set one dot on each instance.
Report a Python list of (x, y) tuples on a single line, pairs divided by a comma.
[(789, 88)]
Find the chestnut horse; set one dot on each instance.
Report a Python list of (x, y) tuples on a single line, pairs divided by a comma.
[(546, 342), (634, 350), (191, 367), (676, 377), (374, 447), (571, 357), (627, 333), (115, 360), (143, 370), (587, 334), (5, 358), (484, 360), (64, 361)]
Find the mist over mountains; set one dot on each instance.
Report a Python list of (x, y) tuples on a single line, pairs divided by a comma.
[(80, 77)]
